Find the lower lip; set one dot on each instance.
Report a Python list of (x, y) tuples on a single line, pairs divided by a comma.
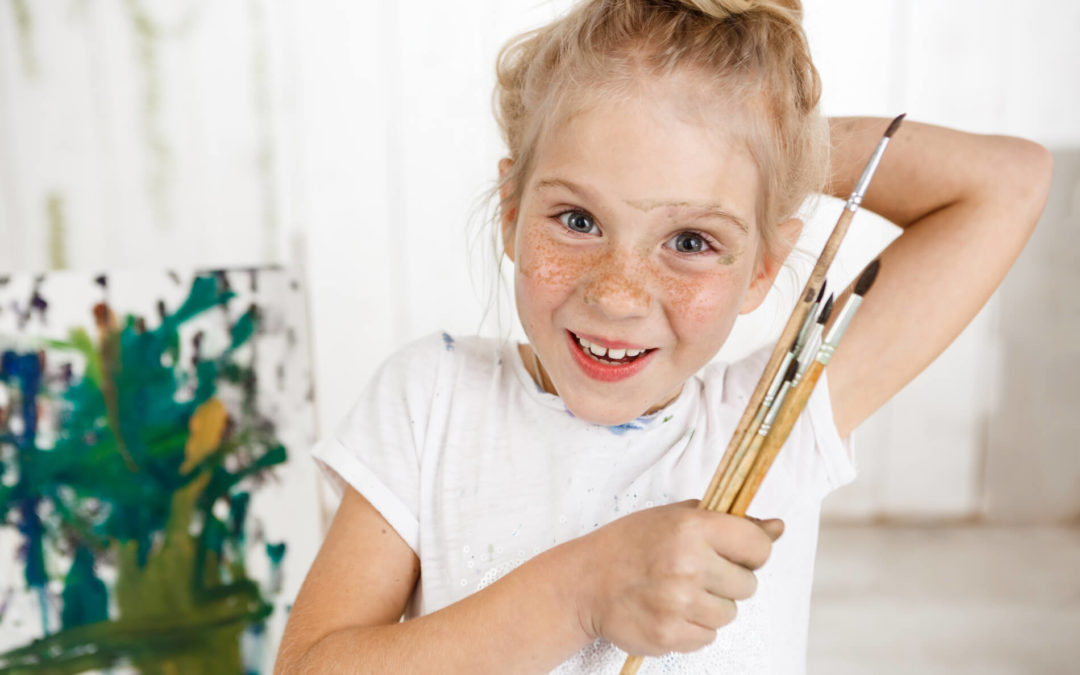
[(602, 371)]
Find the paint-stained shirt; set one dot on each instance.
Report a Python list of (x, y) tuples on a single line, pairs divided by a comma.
[(479, 470)]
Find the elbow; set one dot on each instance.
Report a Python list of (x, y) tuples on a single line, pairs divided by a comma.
[(1027, 181), (292, 655)]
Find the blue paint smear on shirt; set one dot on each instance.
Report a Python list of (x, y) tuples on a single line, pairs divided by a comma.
[(621, 429), (448, 341)]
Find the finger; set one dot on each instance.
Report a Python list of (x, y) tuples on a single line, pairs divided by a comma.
[(694, 636), (739, 540), (725, 579), (712, 612), (774, 527)]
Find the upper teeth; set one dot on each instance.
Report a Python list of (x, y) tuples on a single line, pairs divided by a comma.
[(597, 350)]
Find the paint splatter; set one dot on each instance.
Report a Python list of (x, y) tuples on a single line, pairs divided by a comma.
[(144, 455), (635, 425)]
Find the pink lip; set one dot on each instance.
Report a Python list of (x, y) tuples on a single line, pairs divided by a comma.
[(602, 371), (610, 344)]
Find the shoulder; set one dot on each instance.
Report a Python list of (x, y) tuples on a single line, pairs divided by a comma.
[(428, 353), (735, 382), (437, 361)]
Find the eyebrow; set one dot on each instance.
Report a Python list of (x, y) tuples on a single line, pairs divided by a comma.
[(704, 208)]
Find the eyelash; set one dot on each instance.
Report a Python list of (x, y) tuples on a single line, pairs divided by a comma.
[(708, 245)]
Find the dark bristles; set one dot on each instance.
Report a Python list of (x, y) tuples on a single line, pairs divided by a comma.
[(826, 311), (894, 126), (791, 370), (821, 293), (866, 279)]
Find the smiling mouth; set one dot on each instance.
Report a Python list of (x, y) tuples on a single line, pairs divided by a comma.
[(605, 355)]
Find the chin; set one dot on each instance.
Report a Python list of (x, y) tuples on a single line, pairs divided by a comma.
[(602, 414)]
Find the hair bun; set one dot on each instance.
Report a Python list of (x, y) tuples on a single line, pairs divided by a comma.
[(723, 9)]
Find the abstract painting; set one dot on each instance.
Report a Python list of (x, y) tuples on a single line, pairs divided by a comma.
[(154, 486)]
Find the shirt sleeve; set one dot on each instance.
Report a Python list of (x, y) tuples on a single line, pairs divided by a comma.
[(378, 448)]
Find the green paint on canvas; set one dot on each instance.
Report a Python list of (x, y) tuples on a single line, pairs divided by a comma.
[(133, 477)]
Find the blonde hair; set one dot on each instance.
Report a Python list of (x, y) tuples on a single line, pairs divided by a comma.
[(755, 53)]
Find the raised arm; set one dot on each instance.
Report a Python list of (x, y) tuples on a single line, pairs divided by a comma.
[(967, 204)]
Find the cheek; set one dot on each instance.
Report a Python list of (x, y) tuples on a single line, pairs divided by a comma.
[(545, 268), (701, 301)]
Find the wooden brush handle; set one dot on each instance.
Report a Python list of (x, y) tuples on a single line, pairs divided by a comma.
[(785, 420)]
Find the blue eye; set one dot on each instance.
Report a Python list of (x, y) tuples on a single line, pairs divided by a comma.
[(577, 221), (689, 242)]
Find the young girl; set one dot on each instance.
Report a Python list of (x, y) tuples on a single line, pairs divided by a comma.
[(532, 505)]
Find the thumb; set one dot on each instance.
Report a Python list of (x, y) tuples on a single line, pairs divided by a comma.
[(774, 527)]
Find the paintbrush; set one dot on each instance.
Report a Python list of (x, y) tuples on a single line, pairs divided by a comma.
[(788, 336), (793, 404), (807, 352)]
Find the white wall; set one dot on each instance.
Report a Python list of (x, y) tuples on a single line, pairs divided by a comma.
[(356, 137)]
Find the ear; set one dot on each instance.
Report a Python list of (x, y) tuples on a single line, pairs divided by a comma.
[(507, 211), (769, 266)]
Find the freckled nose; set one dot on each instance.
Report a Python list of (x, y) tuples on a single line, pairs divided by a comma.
[(618, 292)]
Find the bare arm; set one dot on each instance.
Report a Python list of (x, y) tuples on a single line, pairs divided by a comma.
[(346, 615), (659, 580), (967, 204)]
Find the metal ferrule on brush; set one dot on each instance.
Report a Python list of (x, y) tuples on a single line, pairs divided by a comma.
[(805, 356), (778, 381), (836, 331), (763, 430), (856, 197), (857, 194)]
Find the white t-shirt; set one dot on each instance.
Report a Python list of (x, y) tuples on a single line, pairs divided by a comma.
[(479, 470)]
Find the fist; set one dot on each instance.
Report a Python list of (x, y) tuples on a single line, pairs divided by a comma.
[(666, 578)]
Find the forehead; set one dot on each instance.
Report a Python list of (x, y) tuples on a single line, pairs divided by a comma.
[(662, 140)]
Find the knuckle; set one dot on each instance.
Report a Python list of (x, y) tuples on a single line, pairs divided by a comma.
[(684, 565), (665, 635)]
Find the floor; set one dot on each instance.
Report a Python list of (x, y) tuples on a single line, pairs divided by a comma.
[(955, 600)]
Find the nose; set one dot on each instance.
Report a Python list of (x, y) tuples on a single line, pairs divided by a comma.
[(618, 287)]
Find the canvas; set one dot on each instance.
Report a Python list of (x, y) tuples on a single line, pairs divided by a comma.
[(158, 507)]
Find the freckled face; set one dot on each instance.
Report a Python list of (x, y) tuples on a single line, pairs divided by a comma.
[(635, 232)]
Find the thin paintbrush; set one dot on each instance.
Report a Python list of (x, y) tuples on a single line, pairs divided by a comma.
[(790, 333), (794, 403), (807, 353)]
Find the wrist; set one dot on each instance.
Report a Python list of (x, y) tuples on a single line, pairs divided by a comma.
[(570, 580)]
